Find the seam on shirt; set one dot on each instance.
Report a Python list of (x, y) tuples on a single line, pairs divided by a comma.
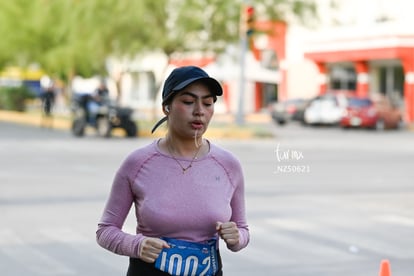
[(139, 166), (225, 170)]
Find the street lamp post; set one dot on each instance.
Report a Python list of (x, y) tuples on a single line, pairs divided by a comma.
[(240, 110), (247, 29)]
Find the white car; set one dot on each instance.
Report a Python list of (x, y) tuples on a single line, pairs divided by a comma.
[(325, 109)]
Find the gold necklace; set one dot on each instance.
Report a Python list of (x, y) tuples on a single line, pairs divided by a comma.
[(178, 162)]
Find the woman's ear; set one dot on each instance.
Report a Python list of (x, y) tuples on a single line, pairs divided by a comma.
[(166, 109)]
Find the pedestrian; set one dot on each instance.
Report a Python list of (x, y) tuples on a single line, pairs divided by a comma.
[(188, 192), (48, 99)]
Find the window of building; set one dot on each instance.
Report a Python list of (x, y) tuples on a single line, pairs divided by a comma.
[(342, 78)]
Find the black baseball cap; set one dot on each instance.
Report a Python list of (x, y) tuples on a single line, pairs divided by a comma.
[(180, 78)]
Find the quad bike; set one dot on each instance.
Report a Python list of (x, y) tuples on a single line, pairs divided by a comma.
[(106, 118)]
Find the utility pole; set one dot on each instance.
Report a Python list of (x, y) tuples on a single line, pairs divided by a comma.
[(246, 31)]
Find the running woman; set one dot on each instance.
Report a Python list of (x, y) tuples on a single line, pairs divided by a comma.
[(187, 192)]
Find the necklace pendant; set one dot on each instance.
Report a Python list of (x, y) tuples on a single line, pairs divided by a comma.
[(185, 169), (195, 157)]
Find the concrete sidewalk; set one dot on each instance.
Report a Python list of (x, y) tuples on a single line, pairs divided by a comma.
[(222, 126)]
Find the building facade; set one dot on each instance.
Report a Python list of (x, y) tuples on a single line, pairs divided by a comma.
[(381, 62), (366, 47)]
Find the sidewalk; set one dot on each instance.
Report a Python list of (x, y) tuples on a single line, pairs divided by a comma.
[(222, 126)]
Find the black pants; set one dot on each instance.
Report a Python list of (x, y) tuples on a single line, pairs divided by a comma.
[(137, 267)]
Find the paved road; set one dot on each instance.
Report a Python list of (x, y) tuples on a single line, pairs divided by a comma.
[(320, 202)]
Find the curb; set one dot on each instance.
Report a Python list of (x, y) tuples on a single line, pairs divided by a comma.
[(222, 127)]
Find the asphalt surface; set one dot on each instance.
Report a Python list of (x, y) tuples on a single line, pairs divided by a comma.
[(320, 201)]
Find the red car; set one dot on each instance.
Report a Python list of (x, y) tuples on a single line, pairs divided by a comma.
[(376, 113)]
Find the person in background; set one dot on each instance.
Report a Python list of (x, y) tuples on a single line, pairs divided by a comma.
[(187, 192), (47, 98), (98, 98), (101, 94)]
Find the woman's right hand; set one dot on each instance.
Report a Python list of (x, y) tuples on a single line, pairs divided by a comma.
[(150, 248)]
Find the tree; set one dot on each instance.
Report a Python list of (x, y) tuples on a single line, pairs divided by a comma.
[(301, 11), (209, 26), (68, 37)]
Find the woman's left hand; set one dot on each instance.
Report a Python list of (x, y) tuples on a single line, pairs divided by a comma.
[(229, 232)]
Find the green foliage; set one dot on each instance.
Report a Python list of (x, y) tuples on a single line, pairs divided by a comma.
[(302, 11), (68, 37), (14, 98)]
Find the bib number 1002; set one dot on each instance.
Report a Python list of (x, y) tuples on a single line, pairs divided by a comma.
[(188, 266)]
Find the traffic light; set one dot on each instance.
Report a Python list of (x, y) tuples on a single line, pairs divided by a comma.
[(249, 20)]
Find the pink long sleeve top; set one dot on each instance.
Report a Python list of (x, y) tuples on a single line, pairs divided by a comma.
[(173, 204)]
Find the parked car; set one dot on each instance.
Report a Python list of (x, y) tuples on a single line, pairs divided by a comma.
[(288, 110), (378, 113), (326, 109)]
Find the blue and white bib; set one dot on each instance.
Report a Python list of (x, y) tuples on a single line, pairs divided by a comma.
[(185, 258)]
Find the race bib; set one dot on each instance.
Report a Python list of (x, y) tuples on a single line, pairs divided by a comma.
[(185, 258)]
